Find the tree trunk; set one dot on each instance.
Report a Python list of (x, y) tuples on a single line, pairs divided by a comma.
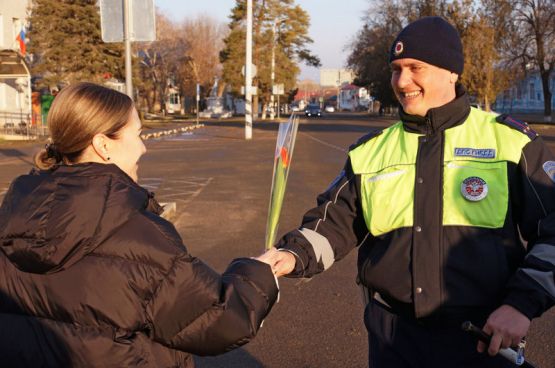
[(264, 107), (254, 107), (546, 94)]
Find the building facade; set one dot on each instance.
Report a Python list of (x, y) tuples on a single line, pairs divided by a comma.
[(526, 96), (353, 98), (15, 77)]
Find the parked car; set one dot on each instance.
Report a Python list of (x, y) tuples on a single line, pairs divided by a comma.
[(295, 108), (313, 110), (329, 108)]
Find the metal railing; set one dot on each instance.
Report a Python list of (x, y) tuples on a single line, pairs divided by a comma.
[(19, 126)]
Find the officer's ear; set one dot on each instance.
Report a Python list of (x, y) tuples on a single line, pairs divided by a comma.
[(453, 78)]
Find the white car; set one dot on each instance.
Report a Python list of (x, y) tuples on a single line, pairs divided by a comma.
[(329, 108)]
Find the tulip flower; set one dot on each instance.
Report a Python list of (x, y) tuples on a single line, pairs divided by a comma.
[(282, 163)]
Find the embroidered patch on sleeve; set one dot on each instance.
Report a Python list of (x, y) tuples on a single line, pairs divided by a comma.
[(475, 152), (549, 168)]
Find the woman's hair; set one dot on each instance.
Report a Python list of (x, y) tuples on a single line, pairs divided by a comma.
[(78, 113)]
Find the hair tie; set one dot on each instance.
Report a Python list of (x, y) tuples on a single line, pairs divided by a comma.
[(52, 152)]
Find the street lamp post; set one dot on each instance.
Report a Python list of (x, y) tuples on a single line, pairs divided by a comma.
[(273, 74), (248, 74)]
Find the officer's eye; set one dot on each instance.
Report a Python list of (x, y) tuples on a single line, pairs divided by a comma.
[(416, 68)]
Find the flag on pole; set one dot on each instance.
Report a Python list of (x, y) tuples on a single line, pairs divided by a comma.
[(21, 39), (282, 163)]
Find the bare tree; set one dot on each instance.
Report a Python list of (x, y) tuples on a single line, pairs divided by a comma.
[(533, 42), (159, 62), (203, 36)]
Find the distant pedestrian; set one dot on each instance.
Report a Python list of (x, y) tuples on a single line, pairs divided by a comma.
[(438, 205), (91, 275)]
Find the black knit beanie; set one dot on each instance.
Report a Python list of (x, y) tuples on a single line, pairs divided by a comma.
[(431, 40)]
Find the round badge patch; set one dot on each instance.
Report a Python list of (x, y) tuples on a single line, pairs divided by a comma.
[(474, 188), (398, 48)]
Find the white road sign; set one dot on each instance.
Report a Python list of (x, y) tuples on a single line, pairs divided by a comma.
[(142, 21)]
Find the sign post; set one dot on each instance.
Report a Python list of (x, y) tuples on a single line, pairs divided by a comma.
[(117, 25), (278, 89), (198, 99), (127, 41)]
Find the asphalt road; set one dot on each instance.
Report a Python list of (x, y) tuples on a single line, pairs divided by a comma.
[(221, 185)]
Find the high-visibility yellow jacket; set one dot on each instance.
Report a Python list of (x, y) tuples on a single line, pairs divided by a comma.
[(441, 208)]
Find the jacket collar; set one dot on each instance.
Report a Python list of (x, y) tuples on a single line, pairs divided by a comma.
[(440, 118)]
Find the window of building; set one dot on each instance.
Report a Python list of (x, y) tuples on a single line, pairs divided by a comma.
[(2, 96), (16, 28), (531, 92), (519, 91), (174, 98), (2, 41)]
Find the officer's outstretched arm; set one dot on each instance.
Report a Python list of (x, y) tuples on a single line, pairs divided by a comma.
[(329, 230)]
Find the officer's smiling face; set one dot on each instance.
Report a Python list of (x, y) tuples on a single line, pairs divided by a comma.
[(420, 86)]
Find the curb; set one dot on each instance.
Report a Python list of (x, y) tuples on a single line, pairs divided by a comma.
[(170, 131)]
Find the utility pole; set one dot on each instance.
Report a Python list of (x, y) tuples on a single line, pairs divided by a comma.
[(198, 99), (248, 74), (273, 74), (338, 88), (127, 41)]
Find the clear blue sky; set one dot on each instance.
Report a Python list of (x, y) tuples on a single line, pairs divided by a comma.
[(333, 24)]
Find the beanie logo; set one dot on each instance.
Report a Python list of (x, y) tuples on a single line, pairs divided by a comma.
[(398, 48)]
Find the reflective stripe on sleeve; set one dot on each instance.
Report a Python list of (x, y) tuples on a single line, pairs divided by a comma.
[(545, 279), (321, 246), (545, 253)]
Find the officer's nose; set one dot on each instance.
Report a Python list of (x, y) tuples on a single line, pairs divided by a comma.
[(401, 78)]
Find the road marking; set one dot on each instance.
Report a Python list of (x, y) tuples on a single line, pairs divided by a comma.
[(325, 143), (178, 190), (150, 184), (10, 161)]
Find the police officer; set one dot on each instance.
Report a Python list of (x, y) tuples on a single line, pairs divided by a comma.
[(438, 205)]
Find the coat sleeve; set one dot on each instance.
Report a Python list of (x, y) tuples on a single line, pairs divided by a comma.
[(330, 230), (532, 289), (197, 310)]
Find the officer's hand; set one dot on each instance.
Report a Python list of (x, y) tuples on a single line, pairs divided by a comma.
[(507, 326), (282, 262)]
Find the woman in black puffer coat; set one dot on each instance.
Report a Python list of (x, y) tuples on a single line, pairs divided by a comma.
[(91, 276)]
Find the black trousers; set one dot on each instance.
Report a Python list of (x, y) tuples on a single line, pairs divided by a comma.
[(400, 342)]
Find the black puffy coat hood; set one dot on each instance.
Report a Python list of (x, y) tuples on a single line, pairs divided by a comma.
[(51, 219)]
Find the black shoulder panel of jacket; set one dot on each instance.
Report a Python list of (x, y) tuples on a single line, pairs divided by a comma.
[(366, 138), (519, 125)]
